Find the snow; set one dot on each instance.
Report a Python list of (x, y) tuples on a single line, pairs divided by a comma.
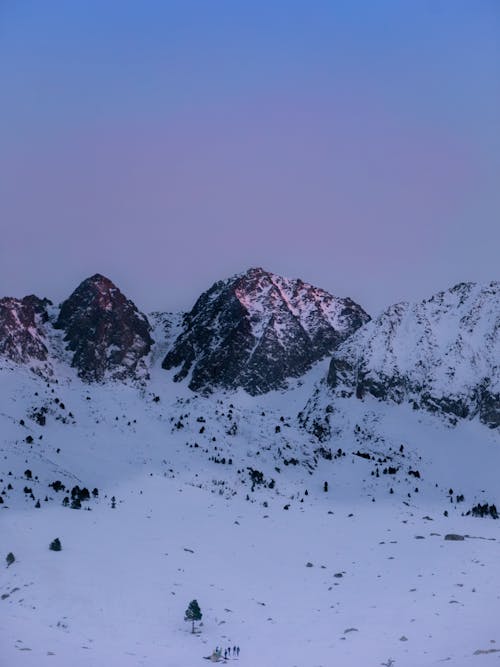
[(182, 529), (449, 344), (271, 300)]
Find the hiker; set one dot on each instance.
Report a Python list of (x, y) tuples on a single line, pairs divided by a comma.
[(238, 651), (225, 653), (229, 651)]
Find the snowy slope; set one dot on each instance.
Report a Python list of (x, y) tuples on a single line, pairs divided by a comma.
[(309, 525), (293, 574), (442, 354)]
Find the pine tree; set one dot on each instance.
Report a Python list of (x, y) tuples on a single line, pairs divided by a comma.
[(193, 613), (10, 558), (55, 545)]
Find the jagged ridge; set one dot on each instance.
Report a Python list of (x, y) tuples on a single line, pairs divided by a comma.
[(257, 329)]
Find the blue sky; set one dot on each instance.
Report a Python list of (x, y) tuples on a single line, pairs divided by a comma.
[(169, 144)]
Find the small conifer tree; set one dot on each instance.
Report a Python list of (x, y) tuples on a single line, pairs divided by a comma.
[(10, 558), (55, 545), (193, 613)]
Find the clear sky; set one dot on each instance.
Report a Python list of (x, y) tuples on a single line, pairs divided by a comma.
[(354, 144)]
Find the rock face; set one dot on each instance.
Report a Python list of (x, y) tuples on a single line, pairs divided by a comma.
[(442, 354), (22, 334), (107, 334), (257, 329)]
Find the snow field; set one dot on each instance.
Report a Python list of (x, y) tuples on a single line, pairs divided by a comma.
[(117, 592)]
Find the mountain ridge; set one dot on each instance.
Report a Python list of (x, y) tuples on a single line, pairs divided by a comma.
[(439, 354), (258, 331)]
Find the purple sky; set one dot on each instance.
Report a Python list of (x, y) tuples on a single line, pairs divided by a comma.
[(167, 145)]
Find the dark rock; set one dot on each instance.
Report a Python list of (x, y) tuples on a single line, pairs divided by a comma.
[(22, 333), (257, 329), (107, 334), (489, 406)]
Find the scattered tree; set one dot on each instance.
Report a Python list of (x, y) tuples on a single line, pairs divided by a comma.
[(10, 558), (55, 545), (193, 613), (484, 510), (58, 486)]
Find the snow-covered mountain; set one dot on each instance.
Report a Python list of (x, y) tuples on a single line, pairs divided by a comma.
[(299, 552), (256, 330), (105, 334), (370, 542), (441, 354)]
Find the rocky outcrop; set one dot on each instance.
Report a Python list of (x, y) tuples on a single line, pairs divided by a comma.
[(108, 336), (440, 355), (256, 330), (22, 332)]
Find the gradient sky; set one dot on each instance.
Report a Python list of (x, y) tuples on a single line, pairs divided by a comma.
[(354, 144)]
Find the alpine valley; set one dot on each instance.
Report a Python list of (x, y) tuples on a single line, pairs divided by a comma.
[(324, 483)]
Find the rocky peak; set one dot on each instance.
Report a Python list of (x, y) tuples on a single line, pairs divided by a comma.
[(257, 329), (441, 354), (105, 330), (22, 334)]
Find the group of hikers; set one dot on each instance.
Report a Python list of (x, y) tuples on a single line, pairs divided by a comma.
[(218, 654)]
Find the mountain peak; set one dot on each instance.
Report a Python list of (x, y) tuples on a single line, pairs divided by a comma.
[(257, 329), (255, 272), (99, 279), (105, 330)]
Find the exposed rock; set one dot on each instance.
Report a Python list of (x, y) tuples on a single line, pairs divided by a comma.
[(22, 333), (109, 337), (257, 329), (485, 651)]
